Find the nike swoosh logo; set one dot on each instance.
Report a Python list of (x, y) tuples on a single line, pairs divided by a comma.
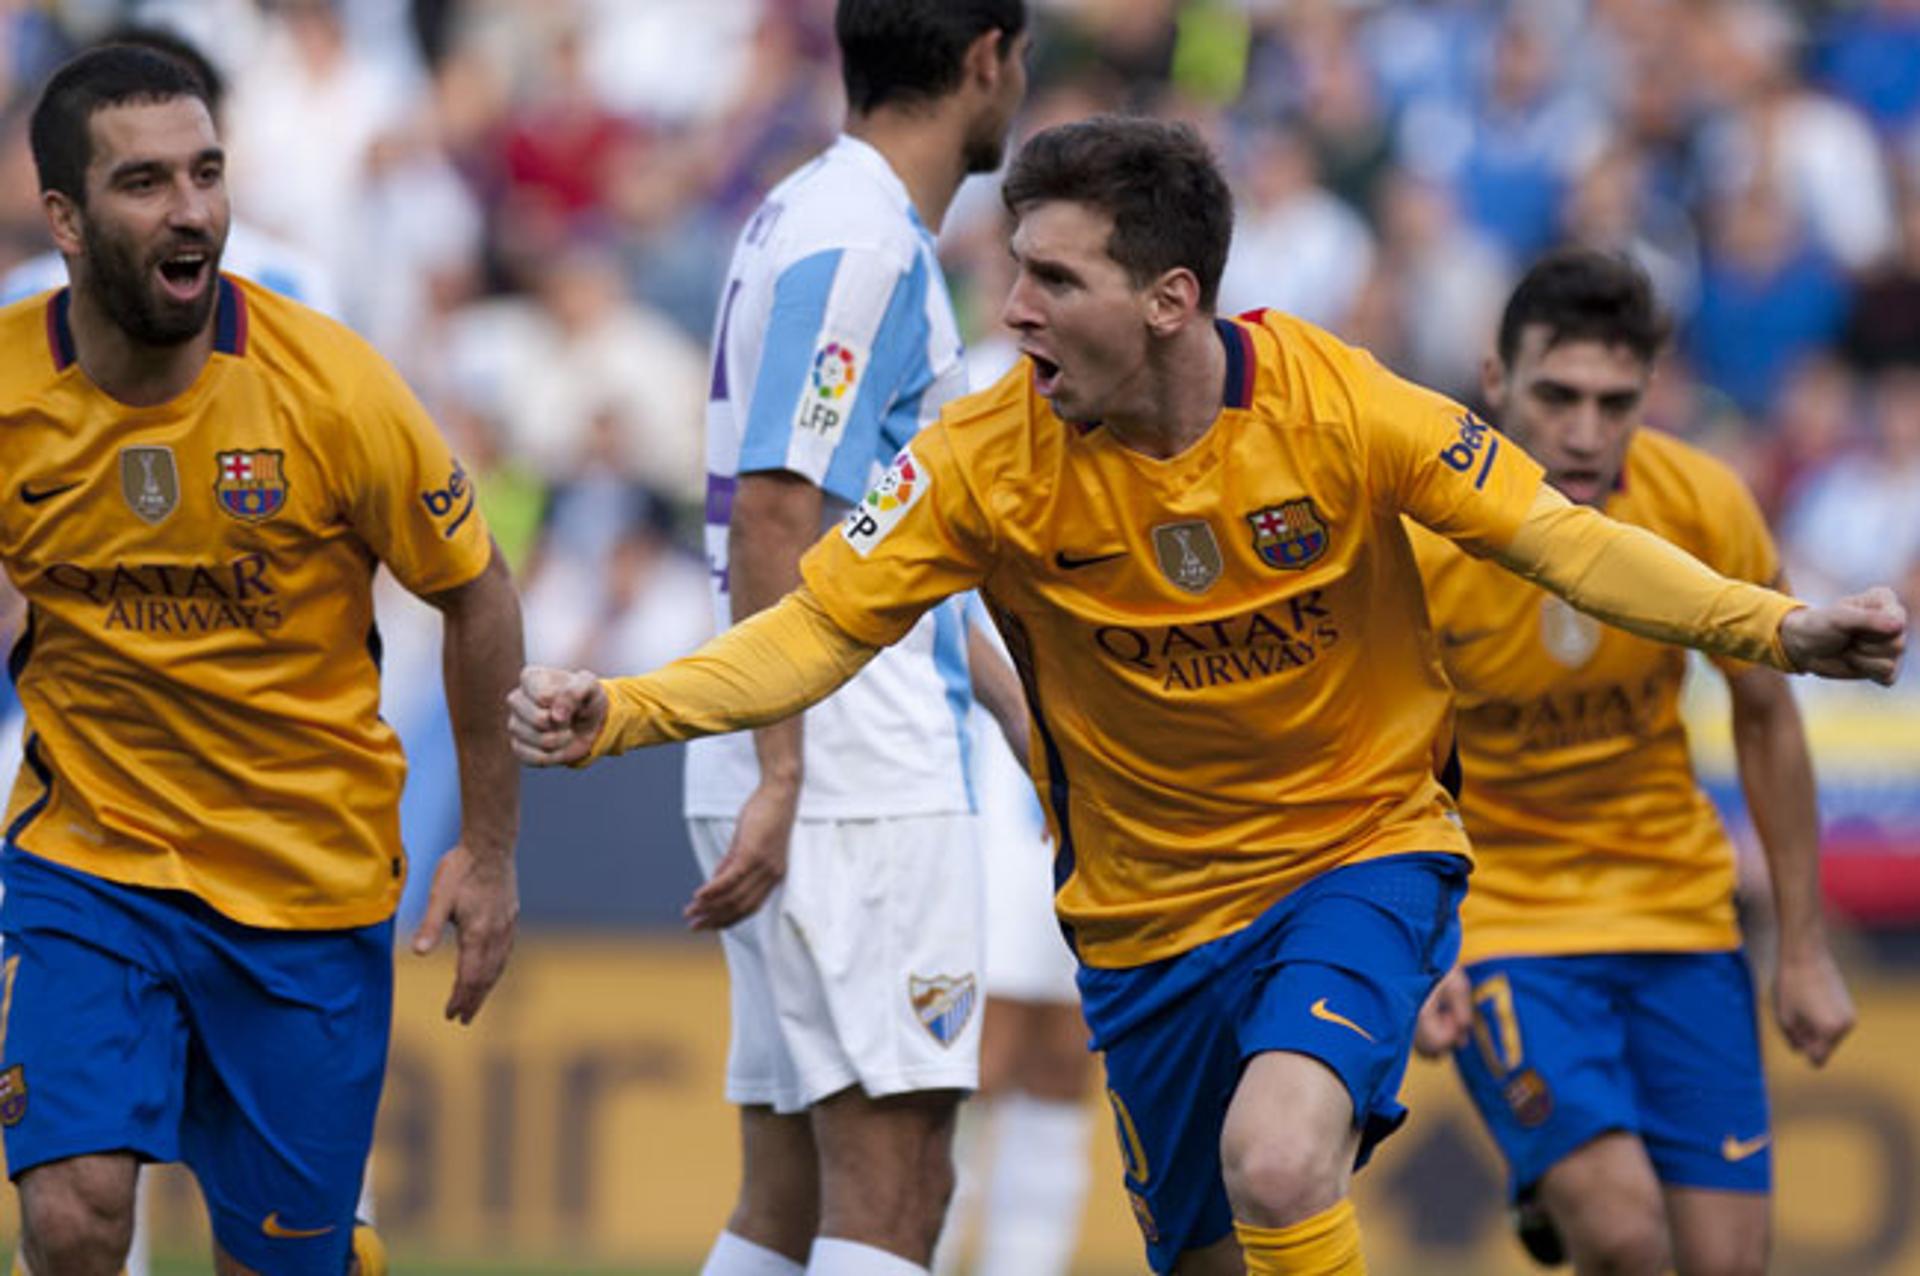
[(1070, 562), (273, 1227), (1319, 1011), (1460, 638), (1733, 1149), (32, 497)]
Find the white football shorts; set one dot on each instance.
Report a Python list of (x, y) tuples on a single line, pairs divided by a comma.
[(1027, 956), (863, 967)]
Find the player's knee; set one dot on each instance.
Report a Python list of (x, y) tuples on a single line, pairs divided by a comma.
[(1281, 1178), (1624, 1243), (75, 1223), (1727, 1255)]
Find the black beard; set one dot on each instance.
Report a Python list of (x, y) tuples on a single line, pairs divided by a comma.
[(127, 294)]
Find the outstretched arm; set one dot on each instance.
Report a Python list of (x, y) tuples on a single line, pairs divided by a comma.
[(1635, 580), (1810, 999), (773, 664)]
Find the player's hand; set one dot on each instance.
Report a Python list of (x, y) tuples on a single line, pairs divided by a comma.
[(753, 865), (1447, 1018), (554, 715), (1811, 1004), (480, 896), (1861, 636)]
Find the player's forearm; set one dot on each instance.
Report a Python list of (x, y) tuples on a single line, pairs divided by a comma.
[(997, 687), (766, 668), (776, 516), (481, 655), (1776, 774), (1635, 580)]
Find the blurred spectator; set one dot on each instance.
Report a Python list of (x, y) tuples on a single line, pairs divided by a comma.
[(1512, 149), (1767, 297), (1296, 246), (1883, 326), (1816, 152), (1871, 58), (579, 373), (1857, 522), (1441, 286), (305, 113)]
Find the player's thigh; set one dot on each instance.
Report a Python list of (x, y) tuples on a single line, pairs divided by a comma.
[(1693, 1043), (877, 957), (1342, 980), (289, 1050), (80, 1200), (1290, 1140), (1605, 1201), (1545, 1063), (1719, 1233)]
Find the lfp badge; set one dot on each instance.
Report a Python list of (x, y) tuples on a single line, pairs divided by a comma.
[(251, 485)]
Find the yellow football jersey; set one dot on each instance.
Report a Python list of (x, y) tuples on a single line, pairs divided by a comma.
[(200, 665), (1233, 681), (1591, 833)]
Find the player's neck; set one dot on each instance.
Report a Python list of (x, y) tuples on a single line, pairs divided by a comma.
[(1180, 394), (130, 371), (924, 149)]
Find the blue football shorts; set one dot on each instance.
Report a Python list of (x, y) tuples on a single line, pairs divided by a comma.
[(1337, 970), (1662, 1045), (143, 1021)]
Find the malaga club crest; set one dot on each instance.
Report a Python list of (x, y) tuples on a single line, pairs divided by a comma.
[(1290, 535), (251, 486), (944, 1004)]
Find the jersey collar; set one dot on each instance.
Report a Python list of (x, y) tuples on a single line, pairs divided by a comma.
[(1241, 362), (229, 324), (875, 165)]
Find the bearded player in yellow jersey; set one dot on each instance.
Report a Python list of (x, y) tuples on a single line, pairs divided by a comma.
[(202, 852), (1603, 1017), (1188, 528)]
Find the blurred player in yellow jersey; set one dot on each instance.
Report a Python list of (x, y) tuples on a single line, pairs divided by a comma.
[(1188, 528), (202, 855), (1603, 1016)]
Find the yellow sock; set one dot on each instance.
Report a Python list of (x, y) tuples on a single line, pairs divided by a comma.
[(1328, 1244)]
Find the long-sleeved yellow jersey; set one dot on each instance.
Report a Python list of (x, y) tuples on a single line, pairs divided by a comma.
[(1591, 832), (200, 665)]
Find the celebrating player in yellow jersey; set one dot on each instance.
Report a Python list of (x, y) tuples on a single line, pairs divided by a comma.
[(1604, 1018), (202, 852), (1188, 528)]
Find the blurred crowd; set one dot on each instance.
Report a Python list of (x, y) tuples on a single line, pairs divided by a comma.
[(528, 205)]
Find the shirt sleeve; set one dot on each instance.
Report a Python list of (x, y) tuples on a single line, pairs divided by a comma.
[(1737, 543), (919, 536), (406, 495), (1436, 462), (845, 329), (1631, 578)]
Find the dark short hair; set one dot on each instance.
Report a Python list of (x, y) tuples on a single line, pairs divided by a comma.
[(1582, 294), (105, 76), (894, 51), (1156, 179)]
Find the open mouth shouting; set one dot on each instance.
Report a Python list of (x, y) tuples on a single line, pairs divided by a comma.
[(185, 273), (1046, 373)]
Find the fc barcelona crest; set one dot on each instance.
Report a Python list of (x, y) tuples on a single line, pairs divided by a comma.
[(13, 1095), (944, 1004), (148, 481), (251, 486), (1290, 535)]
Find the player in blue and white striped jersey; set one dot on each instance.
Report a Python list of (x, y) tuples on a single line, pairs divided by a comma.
[(839, 848)]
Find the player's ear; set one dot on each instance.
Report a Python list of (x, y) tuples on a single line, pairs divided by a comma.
[(984, 62), (63, 222), (1172, 301), (1493, 382)]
